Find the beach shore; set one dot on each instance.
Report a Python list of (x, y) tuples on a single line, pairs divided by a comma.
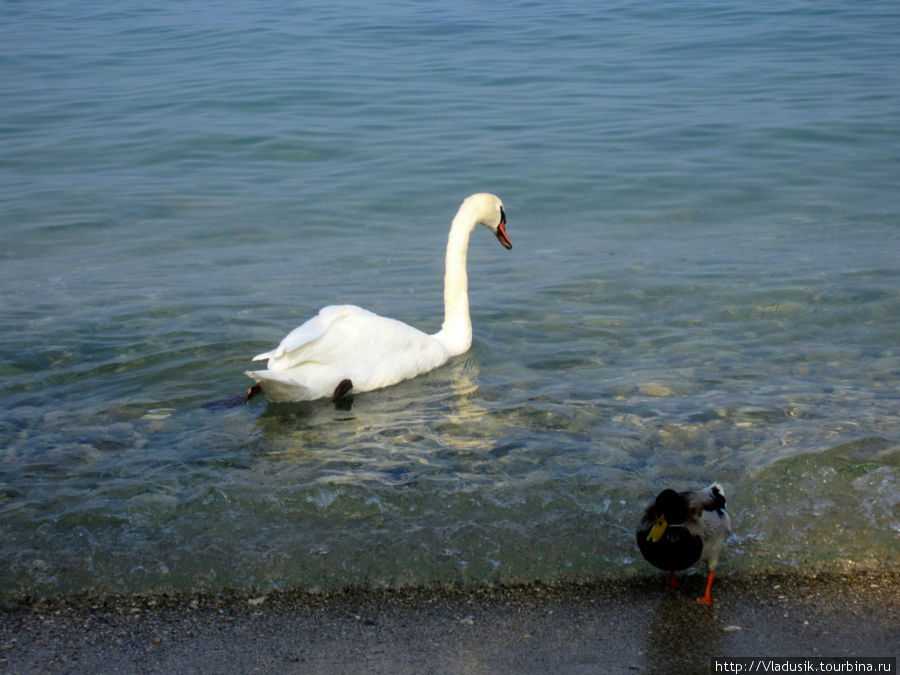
[(638, 625)]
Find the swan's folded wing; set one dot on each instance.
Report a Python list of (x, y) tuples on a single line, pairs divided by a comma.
[(280, 357), (347, 342)]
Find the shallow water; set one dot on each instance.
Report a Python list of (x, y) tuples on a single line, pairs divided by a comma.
[(704, 285)]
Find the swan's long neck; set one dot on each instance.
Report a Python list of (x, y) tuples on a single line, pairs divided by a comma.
[(456, 333)]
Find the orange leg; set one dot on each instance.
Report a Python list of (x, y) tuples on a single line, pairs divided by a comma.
[(673, 582), (707, 598)]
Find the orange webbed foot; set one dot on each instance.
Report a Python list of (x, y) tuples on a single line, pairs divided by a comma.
[(707, 600)]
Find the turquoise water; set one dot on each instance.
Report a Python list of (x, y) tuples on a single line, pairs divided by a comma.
[(703, 285)]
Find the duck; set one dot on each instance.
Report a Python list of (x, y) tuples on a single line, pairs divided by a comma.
[(347, 349), (680, 529)]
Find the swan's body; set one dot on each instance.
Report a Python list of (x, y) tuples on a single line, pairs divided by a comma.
[(346, 346), (680, 529)]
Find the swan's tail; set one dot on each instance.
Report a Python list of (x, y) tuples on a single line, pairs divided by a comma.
[(280, 387)]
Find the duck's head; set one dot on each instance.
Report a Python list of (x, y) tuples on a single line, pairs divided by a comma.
[(670, 508), (487, 209)]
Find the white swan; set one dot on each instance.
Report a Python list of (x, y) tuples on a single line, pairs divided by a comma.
[(346, 347)]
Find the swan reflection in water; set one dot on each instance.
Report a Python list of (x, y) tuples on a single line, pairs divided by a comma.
[(422, 420)]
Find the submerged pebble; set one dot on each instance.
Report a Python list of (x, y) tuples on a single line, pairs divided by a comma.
[(655, 389)]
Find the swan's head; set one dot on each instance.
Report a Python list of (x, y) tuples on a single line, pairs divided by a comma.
[(487, 209)]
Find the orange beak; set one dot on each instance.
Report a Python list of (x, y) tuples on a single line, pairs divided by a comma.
[(501, 234)]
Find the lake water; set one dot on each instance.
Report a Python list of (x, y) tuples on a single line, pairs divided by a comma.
[(704, 285)]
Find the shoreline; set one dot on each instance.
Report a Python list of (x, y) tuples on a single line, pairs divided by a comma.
[(634, 625)]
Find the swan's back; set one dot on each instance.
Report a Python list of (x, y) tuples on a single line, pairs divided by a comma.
[(370, 350)]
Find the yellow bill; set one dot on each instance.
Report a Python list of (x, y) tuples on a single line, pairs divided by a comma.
[(659, 527)]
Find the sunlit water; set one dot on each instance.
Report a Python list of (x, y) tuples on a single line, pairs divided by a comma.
[(704, 285)]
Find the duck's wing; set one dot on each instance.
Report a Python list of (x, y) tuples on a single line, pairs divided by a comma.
[(707, 516), (713, 526), (708, 499)]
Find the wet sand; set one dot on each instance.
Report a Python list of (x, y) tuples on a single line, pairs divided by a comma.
[(612, 627)]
